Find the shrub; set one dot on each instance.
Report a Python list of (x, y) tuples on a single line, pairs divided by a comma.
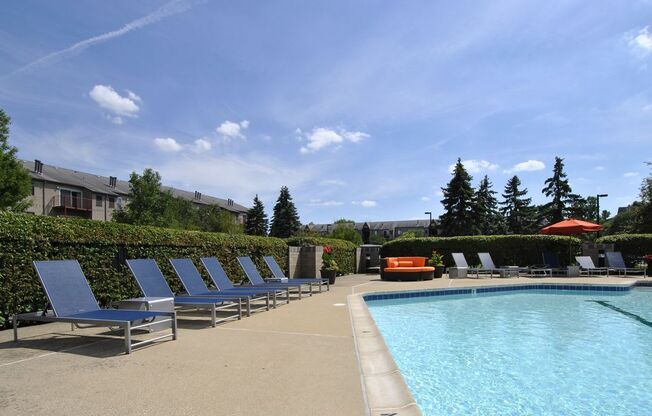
[(343, 251), (520, 250), (633, 246), (100, 247)]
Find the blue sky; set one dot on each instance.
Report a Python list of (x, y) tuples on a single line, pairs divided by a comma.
[(359, 107)]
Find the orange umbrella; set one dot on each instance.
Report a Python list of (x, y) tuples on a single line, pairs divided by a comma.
[(571, 227)]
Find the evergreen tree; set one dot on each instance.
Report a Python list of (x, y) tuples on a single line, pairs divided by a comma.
[(15, 182), (285, 221), (516, 209), (256, 219), (558, 188), (457, 218), (486, 217), (643, 212)]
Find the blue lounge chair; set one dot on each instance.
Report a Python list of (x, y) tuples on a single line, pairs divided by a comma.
[(278, 273), (152, 283), (551, 261), (617, 264), (72, 300), (195, 286), (223, 283), (257, 280)]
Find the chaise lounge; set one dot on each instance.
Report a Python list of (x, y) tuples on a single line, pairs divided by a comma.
[(278, 274), (72, 300), (406, 269)]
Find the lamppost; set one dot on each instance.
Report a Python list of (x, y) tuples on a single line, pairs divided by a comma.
[(429, 213), (598, 204)]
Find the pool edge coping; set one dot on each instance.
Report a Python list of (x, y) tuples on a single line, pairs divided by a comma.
[(379, 372)]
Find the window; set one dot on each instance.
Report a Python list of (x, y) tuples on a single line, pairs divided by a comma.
[(111, 202), (98, 200)]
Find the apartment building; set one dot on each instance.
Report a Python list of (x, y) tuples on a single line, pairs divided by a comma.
[(67, 192), (387, 229)]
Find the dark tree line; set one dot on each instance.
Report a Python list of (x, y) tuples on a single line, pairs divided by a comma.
[(468, 211)]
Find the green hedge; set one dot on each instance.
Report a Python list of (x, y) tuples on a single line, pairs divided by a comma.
[(522, 250), (24, 238), (343, 251), (633, 246)]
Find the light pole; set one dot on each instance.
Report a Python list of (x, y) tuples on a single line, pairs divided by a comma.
[(597, 203), (429, 213)]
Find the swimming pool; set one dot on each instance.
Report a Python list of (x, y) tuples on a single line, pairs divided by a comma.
[(529, 352)]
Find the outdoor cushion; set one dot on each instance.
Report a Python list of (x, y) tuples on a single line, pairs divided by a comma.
[(409, 269), (405, 263)]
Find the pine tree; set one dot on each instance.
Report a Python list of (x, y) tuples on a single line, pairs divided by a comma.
[(285, 221), (516, 209), (486, 217), (643, 212), (558, 188), (458, 201), (15, 183), (256, 219)]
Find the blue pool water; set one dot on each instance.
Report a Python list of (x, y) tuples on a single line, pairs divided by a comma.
[(524, 353)]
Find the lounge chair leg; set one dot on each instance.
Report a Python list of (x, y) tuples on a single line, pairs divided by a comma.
[(267, 302), (311, 289), (239, 310), (214, 312), (248, 301), (15, 324), (128, 338), (274, 299), (174, 326), (300, 291), (287, 295)]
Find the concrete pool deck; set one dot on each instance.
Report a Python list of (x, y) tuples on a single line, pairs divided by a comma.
[(298, 359)]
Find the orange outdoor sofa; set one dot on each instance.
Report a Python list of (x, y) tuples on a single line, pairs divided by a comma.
[(406, 268)]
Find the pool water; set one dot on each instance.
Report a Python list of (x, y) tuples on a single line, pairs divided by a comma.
[(524, 353)]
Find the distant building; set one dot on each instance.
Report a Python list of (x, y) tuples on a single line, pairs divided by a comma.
[(386, 229), (59, 191)]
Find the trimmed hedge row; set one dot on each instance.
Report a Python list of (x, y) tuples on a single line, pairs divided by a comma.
[(522, 250), (343, 251), (633, 246), (100, 247)]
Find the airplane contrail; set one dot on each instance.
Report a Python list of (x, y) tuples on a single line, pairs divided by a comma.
[(171, 8)]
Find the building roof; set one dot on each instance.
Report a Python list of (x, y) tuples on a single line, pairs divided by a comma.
[(376, 225), (100, 184)]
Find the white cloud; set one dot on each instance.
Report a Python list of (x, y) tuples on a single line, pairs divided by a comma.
[(528, 166), (599, 168), (133, 96), (366, 203), (440, 193), (321, 137), (232, 130), (425, 198), (319, 203), (630, 174), (201, 145), (332, 182), (167, 144), (475, 166), (642, 42), (107, 98)]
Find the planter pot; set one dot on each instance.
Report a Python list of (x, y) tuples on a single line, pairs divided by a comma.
[(439, 271), (573, 271), (330, 275)]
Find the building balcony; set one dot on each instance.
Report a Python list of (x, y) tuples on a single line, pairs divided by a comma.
[(72, 203)]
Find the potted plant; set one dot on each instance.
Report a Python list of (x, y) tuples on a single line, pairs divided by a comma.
[(329, 267), (436, 260)]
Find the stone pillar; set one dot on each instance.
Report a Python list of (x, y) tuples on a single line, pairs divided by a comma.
[(294, 254)]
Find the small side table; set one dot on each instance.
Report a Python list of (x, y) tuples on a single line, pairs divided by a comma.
[(149, 304), (510, 271), (457, 272), (536, 272)]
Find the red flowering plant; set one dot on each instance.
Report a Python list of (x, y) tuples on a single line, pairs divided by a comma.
[(648, 257), (328, 261)]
